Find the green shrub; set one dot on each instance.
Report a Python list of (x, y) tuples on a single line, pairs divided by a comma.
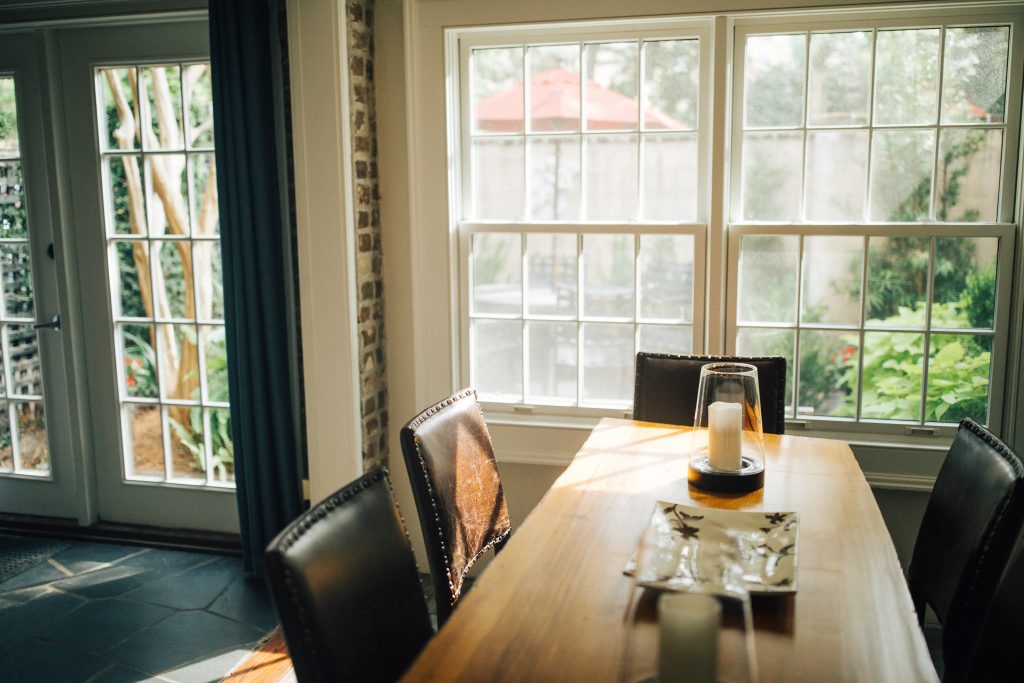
[(958, 371)]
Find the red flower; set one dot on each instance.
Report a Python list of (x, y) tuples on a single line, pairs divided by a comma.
[(134, 365)]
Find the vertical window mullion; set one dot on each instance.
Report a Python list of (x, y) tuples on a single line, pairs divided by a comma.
[(636, 293), (641, 112), (524, 288), (584, 137), (207, 445), (165, 429), (580, 360), (933, 208), (926, 341), (9, 403), (802, 208), (525, 353), (796, 341), (524, 208), (866, 205), (863, 324), (154, 263)]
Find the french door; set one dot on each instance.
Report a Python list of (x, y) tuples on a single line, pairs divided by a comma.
[(134, 157), (38, 473)]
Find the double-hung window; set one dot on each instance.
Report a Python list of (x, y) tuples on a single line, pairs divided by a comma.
[(871, 243), (583, 197), (867, 165)]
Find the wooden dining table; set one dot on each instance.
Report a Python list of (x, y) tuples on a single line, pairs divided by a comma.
[(555, 604)]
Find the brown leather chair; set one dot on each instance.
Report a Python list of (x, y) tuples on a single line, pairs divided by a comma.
[(665, 389), (457, 490), (344, 582), (972, 519), (995, 656)]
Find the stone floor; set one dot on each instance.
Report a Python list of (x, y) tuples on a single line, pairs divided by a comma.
[(98, 612)]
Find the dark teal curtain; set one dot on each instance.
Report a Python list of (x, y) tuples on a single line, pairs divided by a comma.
[(255, 239)]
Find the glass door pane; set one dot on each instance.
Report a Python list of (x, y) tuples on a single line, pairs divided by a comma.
[(23, 448), (36, 462), (160, 202)]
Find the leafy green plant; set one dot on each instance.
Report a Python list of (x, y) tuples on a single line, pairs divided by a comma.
[(979, 297), (958, 369), (216, 365), (958, 382), (222, 455)]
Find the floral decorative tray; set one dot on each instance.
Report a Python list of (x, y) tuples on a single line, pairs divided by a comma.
[(687, 548)]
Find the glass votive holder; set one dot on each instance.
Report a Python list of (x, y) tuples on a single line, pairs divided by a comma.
[(688, 626), (727, 443)]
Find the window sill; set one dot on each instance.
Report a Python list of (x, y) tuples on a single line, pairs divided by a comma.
[(891, 461)]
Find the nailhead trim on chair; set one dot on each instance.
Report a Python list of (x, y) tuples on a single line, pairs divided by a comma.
[(416, 422), (1014, 463), (320, 512), (1002, 449)]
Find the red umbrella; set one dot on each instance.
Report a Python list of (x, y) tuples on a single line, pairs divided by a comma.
[(555, 105)]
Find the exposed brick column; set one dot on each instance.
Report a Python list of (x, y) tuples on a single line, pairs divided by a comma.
[(369, 284)]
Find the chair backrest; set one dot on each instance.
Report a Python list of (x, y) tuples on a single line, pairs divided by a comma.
[(968, 529), (666, 388), (995, 656), (344, 582), (457, 489)]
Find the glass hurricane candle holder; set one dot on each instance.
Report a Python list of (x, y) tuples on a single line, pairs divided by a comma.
[(727, 452)]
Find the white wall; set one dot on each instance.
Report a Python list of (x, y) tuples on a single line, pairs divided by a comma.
[(326, 253)]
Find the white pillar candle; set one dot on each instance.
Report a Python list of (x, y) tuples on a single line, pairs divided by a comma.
[(688, 647), (725, 427)]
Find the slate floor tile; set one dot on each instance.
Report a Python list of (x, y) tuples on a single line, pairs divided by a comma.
[(106, 623), (22, 595), (134, 571), (29, 619), (100, 625), (246, 600), (123, 674), (107, 582), (194, 588), (182, 638), (166, 562), (82, 557), (41, 574), (44, 662)]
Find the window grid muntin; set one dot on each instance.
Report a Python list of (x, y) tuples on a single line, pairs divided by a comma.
[(635, 232), (698, 30), (937, 126), (779, 22), (154, 242), (945, 18), (1003, 232), (640, 131)]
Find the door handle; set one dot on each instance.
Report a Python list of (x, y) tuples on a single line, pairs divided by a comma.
[(54, 324)]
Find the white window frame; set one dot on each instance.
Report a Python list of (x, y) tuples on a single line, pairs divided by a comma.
[(720, 134), (1005, 230), (462, 42)]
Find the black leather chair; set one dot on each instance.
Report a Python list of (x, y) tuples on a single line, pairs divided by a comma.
[(344, 582), (666, 388), (457, 489), (972, 519), (995, 656)]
